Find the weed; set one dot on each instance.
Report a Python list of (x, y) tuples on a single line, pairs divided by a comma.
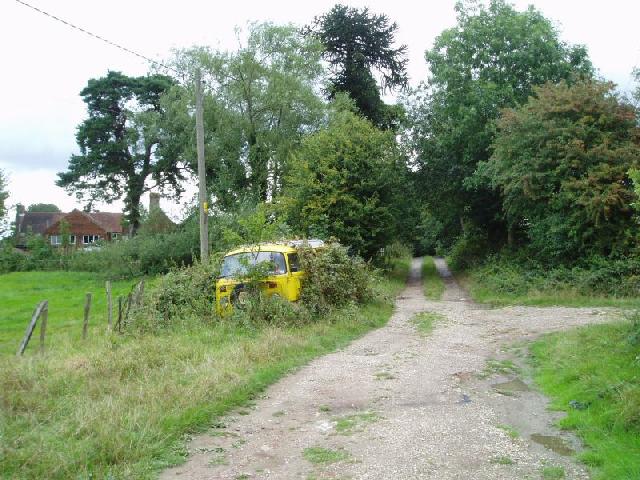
[(502, 461), (383, 376), (552, 473), (499, 367), (279, 413), (349, 424), (324, 408), (425, 321), (324, 455), (509, 430)]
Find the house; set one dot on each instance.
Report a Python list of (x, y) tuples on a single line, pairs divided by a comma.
[(83, 228)]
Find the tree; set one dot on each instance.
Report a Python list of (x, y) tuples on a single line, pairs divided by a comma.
[(490, 60), (561, 164), (119, 141), (358, 44), (346, 184), (260, 100), (4, 194), (43, 207)]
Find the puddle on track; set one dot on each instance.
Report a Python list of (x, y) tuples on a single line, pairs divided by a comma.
[(553, 443), (511, 387)]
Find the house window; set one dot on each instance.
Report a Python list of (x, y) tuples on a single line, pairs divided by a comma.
[(56, 239), (72, 239), (88, 239), (115, 236)]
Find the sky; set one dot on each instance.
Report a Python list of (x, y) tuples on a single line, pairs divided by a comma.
[(46, 64)]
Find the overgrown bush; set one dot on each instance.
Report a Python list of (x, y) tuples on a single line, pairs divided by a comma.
[(184, 295), (469, 250), (522, 273), (333, 278)]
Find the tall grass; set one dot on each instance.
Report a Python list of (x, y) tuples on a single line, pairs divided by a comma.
[(120, 406), (592, 374)]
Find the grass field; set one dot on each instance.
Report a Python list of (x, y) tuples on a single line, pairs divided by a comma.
[(433, 284), (592, 374), (122, 406), (20, 292)]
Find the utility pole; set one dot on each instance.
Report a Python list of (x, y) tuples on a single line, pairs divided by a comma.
[(202, 192)]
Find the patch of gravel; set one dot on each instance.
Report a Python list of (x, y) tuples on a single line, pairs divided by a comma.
[(433, 411)]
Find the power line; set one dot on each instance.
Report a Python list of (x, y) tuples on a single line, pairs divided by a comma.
[(98, 37)]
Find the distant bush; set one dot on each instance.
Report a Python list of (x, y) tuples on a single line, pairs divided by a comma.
[(520, 274), (471, 248)]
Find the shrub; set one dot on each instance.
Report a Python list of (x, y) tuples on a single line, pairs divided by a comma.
[(471, 248), (333, 278)]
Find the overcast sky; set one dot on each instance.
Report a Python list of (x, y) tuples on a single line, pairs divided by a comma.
[(46, 64)]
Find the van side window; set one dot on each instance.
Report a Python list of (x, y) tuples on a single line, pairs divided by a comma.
[(294, 262)]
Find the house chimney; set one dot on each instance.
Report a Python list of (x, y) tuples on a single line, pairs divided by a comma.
[(154, 201)]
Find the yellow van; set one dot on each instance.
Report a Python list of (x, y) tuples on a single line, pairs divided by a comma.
[(284, 279)]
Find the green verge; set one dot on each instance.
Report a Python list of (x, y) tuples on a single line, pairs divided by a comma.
[(20, 292), (595, 369), (433, 284), (482, 289), (123, 406)]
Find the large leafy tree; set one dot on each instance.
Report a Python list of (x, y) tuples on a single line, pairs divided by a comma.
[(347, 184), (119, 141), (260, 101), (357, 45), (561, 163), (490, 60)]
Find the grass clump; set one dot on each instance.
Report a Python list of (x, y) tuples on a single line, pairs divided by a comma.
[(596, 368), (433, 284), (349, 424), (324, 455), (502, 461), (499, 367), (510, 431), (552, 473), (425, 321)]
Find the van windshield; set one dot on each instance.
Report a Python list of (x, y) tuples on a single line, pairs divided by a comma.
[(237, 265)]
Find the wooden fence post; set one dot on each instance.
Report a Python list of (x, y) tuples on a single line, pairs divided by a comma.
[(109, 306), (31, 327), (140, 293), (87, 309), (43, 324), (119, 313)]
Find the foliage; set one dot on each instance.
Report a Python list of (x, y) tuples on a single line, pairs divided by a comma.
[(469, 250), (333, 279), (561, 164), (597, 367), (357, 44), (347, 183), (521, 278), (259, 102), (43, 207), (4, 194), (119, 143), (490, 60)]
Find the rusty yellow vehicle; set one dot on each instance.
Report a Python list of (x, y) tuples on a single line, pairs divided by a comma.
[(284, 273)]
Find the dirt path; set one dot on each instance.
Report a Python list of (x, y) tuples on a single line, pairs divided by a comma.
[(398, 405)]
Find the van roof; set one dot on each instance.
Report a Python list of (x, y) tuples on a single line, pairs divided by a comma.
[(286, 246)]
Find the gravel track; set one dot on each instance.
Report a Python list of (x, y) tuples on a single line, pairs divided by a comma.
[(398, 405)]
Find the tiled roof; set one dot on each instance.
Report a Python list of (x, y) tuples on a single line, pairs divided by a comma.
[(38, 222), (111, 222)]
